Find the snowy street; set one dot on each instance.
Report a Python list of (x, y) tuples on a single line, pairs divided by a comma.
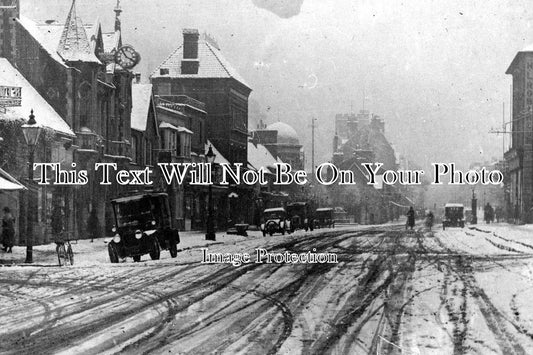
[(392, 291)]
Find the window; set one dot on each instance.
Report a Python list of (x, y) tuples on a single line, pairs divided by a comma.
[(164, 71)]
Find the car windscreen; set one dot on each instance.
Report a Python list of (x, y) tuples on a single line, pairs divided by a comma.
[(274, 215), (133, 212)]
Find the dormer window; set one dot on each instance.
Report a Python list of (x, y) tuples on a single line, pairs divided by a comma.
[(164, 71)]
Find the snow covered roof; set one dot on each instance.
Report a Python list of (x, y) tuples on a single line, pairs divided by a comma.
[(7, 182), (454, 205), (141, 95), (286, 134), (47, 35), (45, 115), (177, 128), (220, 159), (259, 156), (212, 64), (74, 45)]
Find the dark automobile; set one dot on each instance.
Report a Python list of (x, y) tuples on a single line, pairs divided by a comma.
[(300, 216), (142, 226), (324, 218), (275, 221), (453, 215)]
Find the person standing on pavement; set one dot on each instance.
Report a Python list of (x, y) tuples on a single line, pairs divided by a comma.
[(8, 230), (93, 225), (410, 218)]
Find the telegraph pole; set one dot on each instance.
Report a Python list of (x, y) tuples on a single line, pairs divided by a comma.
[(313, 126)]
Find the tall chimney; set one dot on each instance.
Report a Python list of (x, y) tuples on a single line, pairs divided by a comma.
[(190, 43), (190, 63)]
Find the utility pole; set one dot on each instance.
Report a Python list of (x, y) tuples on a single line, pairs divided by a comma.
[(313, 126)]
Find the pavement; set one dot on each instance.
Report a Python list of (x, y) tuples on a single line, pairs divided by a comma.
[(87, 252)]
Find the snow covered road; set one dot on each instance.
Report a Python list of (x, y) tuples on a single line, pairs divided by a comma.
[(459, 291)]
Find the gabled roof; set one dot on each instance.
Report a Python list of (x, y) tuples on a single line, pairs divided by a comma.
[(74, 45), (46, 116), (141, 97), (212, 64)]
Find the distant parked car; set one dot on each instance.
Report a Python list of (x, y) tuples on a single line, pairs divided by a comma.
[(453, 215), (300, 216), (324, 218), (142, 226), (275, 221)]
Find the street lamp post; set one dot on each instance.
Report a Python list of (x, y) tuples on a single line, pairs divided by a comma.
[(210, 233), (474, 207), (31, 133)]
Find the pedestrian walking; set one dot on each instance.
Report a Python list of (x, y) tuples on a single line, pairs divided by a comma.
[(8, 230)]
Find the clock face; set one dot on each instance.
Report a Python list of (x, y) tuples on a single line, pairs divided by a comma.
[(127, 57)]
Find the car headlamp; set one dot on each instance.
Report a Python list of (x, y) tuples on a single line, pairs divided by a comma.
[(116, 238), (114, 229), (138, 234), (153, 223)]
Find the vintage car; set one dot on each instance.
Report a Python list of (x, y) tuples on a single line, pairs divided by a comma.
[(275, 221), (324, 218), (142, 226), (453, 215), (300, 216)]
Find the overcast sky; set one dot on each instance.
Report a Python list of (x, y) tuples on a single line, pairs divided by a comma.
[(434, 70)]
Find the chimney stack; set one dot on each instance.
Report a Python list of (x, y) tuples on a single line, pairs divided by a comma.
[(189, 63), (190, 43)]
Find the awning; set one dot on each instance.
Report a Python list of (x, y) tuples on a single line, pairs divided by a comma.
[(7, 182)]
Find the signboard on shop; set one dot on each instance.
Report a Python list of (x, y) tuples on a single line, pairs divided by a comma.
[(10, 96)]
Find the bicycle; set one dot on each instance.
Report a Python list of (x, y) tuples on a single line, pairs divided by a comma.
[(65, 255)]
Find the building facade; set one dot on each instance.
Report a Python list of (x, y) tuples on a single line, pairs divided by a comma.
[(72, 67), (519, 157)]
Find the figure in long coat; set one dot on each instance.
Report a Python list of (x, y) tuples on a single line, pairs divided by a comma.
[(8, 230)]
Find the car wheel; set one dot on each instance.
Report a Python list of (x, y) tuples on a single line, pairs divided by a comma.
[(156, 250), (113, 254), (136, 258)]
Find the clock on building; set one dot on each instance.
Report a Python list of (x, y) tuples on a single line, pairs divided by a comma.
[(127, 57)]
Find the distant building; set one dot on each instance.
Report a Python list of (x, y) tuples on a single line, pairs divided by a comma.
[(519, 157)]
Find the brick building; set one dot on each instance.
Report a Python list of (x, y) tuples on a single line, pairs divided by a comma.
[(199, 70), (519, 157)]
